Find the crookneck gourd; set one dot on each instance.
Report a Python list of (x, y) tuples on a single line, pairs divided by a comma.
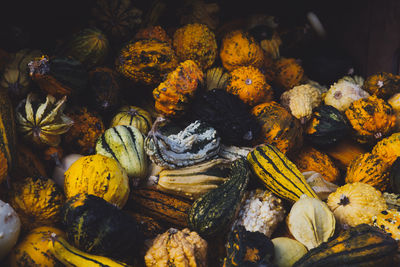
[(42, 123), (133, 116), (172, 147), (278, 173)]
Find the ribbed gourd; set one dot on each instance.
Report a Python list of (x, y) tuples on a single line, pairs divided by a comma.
[(133, 116), (216, 78), (278, 173)]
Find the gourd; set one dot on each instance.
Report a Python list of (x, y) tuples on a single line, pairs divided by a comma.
[(245, 248), (371, 119), (98, 227), (261, 212), (125, 144), (227, 114), (200, 11), (29, 163), (146, 61), (382, 84), (287, 251), (268, 37), (388, 221), (278, 127), (7, 135), (149, 226), (178, 248), (388, 149), (369, 169), (169, 146), (321, 187), (37, 201), (288, 73), (87, 128), (9, 228), (42, 123), (238, 49), (212, 213), (216, 78), (356, 203), (98, 175), (70, 256), (160, 205), (278, 173), (248, 83), (153, 32), (194, 181), (59, 76), (59, 170), (327, 127), (392, 200), (90, 46), (33, 249), (311, 159), (133, 116), (173, 95), (394, 102), (311, 222), (301, 100), (233, 152), (394, 176), (344, 152), (196, 42), (362, 245)]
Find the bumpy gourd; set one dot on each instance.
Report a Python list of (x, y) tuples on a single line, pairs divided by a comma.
[(179, 248), (388, 221), (288, 73), (371, 119), (382, 84), (98, 175), (196, 42), (9, 228), (388, 149), (356, 203)]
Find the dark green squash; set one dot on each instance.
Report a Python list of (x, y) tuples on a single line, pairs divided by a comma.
[(327, 126), (246, 248), (98, 227), (394, 176), (363, 245), (212, 213), (104, 93)]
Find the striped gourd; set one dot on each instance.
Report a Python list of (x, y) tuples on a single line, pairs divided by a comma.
[(133, 116), (278, 173), (124, 144), (194, 181)]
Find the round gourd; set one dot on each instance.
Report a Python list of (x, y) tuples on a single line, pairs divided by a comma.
[(98, 175), (356, 203), (126, 145), (133, 116), (288, 73), (59, 170), (33, 249), (9, 228), (196, 42), (287, 251), (37, 201), (371, 119), (388, 149), (382, 84), (248, 83), (238, 49)]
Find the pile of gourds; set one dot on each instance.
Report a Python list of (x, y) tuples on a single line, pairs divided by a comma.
[(199, 145)]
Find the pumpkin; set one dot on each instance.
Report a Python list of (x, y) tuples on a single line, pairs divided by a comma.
[(388, 221), (228, 115), (32, 250), (326, 127), (174, 94), (59, 76), (133, 116), (169, 146), (369, 169), (179, 248), (9, 228), (288, 73), (37, 201), (62, 167), (248, 83), (125, 144), (29, 163), (7, 135), (89, 46), (153, 32), (98, 227), (388, 149), (356, 203), (196, 42), (382, 84), (311, 159), (212, 213), (98, 175), (216, 78), (245, 248), (118, 19), (287, 251), (363, 245), (278, 173), (146, 61), (278, 127), (371, 119), (87, 128), (239, 49), (104, 89)]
